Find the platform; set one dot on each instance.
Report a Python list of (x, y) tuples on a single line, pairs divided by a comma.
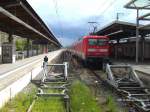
[(143, 67), (14, 77), (11, 72)]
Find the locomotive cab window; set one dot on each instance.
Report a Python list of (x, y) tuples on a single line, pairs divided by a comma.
[(98, 42)]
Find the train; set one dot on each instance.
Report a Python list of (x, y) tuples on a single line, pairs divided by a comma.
[(92, 49)]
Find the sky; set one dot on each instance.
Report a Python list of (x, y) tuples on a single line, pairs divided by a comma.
[(68, 19)]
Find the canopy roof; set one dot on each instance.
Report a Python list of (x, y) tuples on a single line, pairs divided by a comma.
[(18, 18), (120, 29), (138, 4)]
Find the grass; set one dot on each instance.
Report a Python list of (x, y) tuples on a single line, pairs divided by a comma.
[(55, 84), (82, 99), (22, 101), (111, 104), (49, 104), (52, 90)]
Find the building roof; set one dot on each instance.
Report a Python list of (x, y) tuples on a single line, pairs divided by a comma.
[(19, 18), (138, 4), (120, 29)]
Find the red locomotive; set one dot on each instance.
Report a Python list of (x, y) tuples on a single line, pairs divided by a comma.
[(92, 48)]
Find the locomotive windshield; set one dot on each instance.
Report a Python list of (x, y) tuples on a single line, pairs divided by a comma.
[(98, 42)]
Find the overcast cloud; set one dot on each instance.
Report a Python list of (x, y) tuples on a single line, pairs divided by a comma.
[(68, 19)]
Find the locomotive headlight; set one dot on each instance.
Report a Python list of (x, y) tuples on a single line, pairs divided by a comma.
[(91, 50)]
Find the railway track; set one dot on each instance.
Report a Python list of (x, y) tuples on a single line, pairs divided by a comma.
[(135, 94), (129, 87)]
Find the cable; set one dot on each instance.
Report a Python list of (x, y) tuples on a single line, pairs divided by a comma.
[(109, 6), (57, 13)]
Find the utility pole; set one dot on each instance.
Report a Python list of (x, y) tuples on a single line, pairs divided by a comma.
[(137, 36)]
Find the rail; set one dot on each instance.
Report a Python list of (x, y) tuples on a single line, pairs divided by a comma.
[(54, 84), (125, 80)]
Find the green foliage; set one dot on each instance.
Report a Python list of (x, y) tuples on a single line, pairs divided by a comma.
[(21, 102), (111, 104), (82, 99), (52, 91), (43, 104), (49, 104), (21, 44)]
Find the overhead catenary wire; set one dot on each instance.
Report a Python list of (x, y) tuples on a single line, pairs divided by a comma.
[(58, 16), (95, 22), (108, 7)]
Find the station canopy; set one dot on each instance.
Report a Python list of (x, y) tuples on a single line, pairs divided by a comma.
[(118, 30), (17, 17), (138, 4)]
